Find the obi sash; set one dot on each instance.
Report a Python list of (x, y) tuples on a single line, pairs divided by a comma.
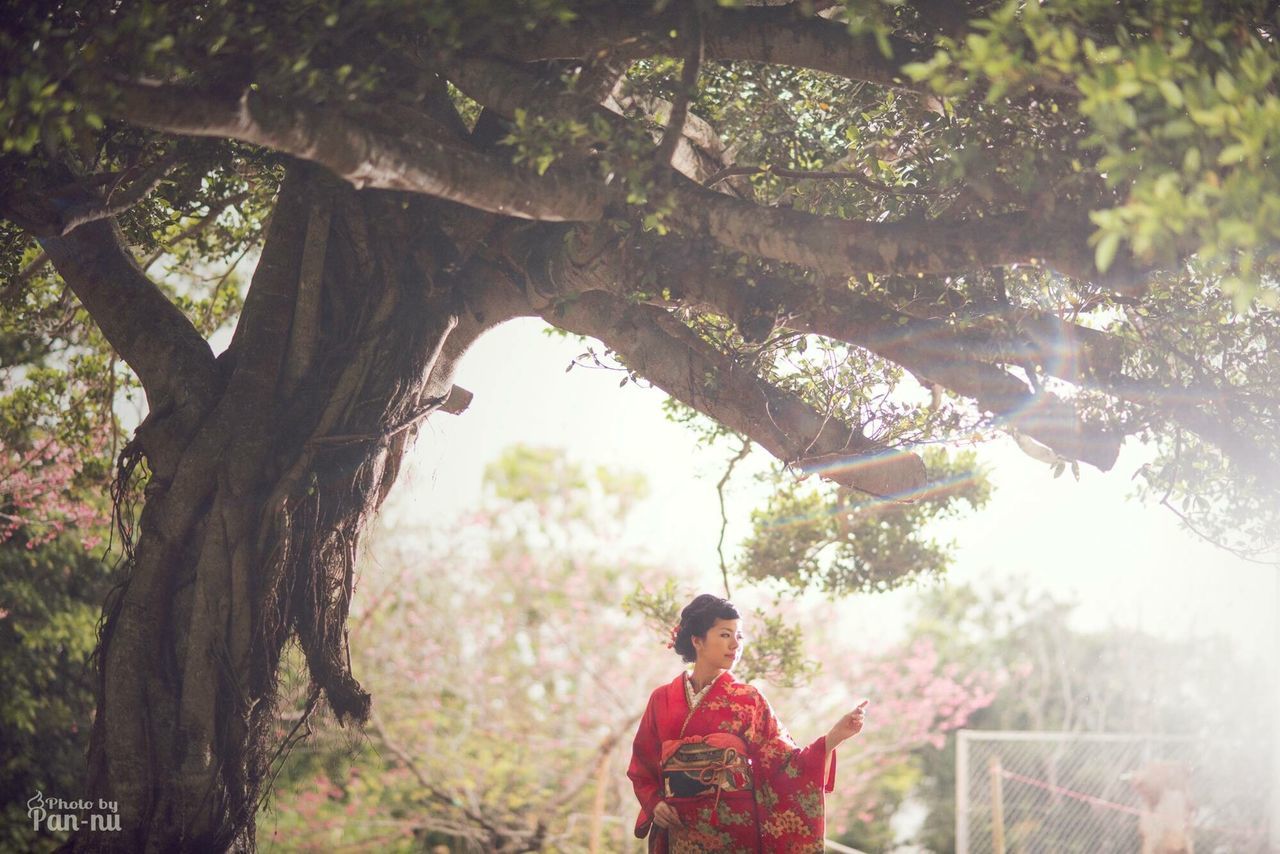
[(700, 765)]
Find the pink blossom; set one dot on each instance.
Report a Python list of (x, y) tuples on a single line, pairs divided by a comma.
[(41, 487)]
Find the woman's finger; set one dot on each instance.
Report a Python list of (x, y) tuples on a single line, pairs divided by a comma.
[(666, 816)]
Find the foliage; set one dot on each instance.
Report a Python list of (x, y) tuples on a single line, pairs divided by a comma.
[(1156, 118), (56, 424), (1179, 109), (54, 574), (824, 537), (38, 487), (50, 600)]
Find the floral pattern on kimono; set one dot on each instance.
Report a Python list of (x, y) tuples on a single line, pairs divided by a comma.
[(783, 811)]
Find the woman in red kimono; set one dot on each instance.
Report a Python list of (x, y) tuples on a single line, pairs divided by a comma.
[(713, 768)]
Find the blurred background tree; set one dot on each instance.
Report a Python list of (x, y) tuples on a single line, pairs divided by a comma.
[(50, 600), (513, 679)]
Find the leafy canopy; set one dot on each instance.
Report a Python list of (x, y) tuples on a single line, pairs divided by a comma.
[(923, 222)]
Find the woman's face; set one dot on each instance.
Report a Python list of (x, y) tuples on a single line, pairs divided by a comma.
[(721, 646)]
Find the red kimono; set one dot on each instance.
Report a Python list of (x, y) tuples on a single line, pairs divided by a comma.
[(759, 791)]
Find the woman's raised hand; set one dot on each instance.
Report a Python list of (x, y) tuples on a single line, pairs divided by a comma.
[(665, 815), (849, 725)]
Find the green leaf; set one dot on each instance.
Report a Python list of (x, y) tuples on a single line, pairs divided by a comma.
[(1172, 94), (1191, 160), (1232, 154), (917, 71), (1225, 85), (1105, 252)]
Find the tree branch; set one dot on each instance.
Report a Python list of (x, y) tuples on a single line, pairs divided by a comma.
[(724, 516), (777, 36), (688, 86), (825, 244), (952, 360), (812, 175), (263, 335), (839, 247), (173, 362), (506, 89), (442, 797), (215, 211), (115, 204), (361, 155), (1092, 359), (662, 349), (955, 360), (1039, 414), (699, 153), (1199, 411)]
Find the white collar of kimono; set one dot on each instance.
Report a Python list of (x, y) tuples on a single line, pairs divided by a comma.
[(695, 697)]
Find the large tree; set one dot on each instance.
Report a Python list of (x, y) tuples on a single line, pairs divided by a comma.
[(840, 231)]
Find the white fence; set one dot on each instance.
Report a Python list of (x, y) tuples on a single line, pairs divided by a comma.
[(1071, 792)]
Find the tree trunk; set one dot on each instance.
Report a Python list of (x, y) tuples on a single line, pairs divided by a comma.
[(254, 508)]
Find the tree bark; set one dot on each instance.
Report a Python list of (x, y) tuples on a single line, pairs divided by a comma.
[(252, 519)]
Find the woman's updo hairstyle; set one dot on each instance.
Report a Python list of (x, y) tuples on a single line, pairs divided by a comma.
[(696, 620)]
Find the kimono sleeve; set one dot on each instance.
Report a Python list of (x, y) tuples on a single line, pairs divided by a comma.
[(790, 783), (645, 770)]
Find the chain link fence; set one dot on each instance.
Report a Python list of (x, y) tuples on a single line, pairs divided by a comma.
[(1032, 792)]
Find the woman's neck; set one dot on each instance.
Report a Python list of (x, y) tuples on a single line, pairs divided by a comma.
[(703, 675)]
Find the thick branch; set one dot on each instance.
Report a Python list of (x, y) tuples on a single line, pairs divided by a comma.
[(951, 359), (173, 362), (939, 354), (841, 247), (264, 332), (361, 155), (1039, 414), (955, 359), (777, 36), (1201, 412), (662, 349), (1092, 359), (825, 244)]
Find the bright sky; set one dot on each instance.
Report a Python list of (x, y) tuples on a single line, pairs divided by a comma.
[(1130, 565)]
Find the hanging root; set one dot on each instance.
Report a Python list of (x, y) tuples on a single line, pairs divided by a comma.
[(343, 432), (323, 600), (124, 495)]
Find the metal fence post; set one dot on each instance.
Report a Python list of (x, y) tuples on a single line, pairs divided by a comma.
[(996, 778), (962, 792)]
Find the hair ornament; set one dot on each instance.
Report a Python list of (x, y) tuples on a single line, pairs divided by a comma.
[(675, 632)]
